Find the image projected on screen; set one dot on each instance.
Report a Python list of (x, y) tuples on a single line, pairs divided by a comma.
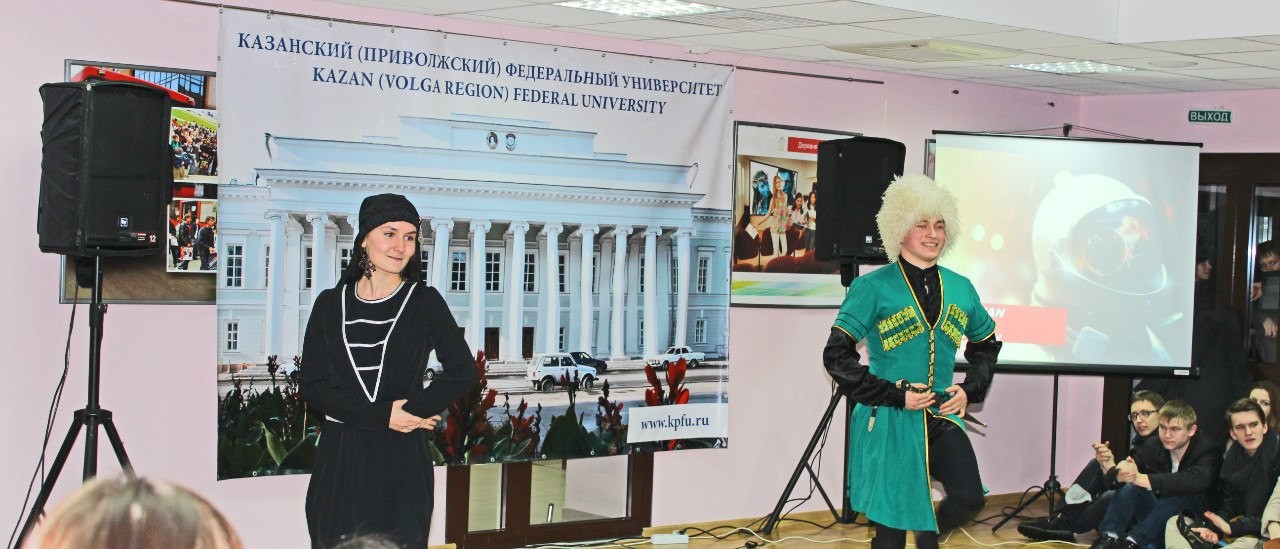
[(1083, 249)]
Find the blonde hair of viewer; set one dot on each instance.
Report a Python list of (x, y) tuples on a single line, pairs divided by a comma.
[(124, 513), (908, 200)]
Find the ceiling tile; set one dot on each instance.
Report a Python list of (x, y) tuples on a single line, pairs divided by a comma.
[(842, 12), (841, 34), (751, 4), (1115, 88), (1200, 63), (497, 20), (1264, 82), (1269, 58), (748, 41), (820, 53), (1272, 39), (551, 14), (1208, 85), (653, 28), (1233, 73), (1034, 78), (1098, 52), (1023, 59), (933, 27), (1154, 77), (983, 71), (1026, 39), (1213, 45)]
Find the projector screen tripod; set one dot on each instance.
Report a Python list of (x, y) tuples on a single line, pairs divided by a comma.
[(1051, 488), (846, 514), (89, 418)]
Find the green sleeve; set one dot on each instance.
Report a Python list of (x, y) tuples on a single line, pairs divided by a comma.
[(980, 326), (857, 312)]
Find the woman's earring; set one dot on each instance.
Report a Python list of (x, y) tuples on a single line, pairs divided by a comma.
[(366, 265)]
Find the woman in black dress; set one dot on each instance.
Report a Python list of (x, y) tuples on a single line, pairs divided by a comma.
[(363, 359)]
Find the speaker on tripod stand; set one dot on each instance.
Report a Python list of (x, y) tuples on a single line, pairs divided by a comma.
[(105, 184)]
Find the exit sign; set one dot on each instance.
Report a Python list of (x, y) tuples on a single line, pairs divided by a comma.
[(1210, 116)]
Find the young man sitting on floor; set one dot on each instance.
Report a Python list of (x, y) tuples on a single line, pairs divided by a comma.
[(1168, 474), (1088, 496)]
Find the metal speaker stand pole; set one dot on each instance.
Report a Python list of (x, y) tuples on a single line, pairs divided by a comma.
[(90, 417), (1051, 487), (846, 515)]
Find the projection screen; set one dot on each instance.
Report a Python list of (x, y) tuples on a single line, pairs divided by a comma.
[(1083, 250)]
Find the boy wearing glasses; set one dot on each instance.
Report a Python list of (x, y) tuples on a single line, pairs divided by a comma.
[(1087, 498), (1168, 474)]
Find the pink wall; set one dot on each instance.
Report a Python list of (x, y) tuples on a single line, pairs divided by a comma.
[(156, 362), (1255, 117)]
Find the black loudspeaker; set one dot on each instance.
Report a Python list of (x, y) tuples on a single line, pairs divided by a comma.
[(852, 176), (106, 172)]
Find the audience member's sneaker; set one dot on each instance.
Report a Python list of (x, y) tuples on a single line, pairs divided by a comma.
[(1056, 528), (1126, 543)]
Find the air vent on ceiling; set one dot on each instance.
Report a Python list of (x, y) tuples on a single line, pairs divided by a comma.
[(745, 20), (926, 51)]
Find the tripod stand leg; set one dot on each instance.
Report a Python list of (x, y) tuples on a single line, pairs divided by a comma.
[(1047, 491), (116, 444), (55, 469), (776, 516)]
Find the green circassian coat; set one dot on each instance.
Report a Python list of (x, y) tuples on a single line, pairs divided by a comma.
[(888, 461)]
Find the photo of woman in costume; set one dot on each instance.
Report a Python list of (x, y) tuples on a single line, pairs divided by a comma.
[(907, 422), (363, 360)]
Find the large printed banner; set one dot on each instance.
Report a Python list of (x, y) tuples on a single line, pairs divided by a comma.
[(575, 217)]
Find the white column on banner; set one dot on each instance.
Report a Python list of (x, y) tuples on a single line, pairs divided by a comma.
[(515, 292), (683, 237), (552, 332), (617, 350), (651, 290), (319, 253), (588, 234), (275, 282), (602, 331), (441, 229), (475, 325), (291, 263)]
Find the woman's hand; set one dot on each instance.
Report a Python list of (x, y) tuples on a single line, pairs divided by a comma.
[(429, 423), (401, 420)]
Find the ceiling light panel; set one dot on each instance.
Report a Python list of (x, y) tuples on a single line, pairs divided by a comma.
[(643, 8), (1074, 67)]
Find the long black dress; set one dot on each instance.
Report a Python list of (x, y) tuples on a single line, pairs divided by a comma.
[(357, 358)]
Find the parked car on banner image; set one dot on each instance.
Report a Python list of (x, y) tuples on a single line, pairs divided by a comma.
[(546, 370), (584, 358), (673, 355)]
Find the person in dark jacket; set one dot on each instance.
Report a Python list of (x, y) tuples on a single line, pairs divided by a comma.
[(1088, 497), (1168, 474), (363, 360), (1249, 469)]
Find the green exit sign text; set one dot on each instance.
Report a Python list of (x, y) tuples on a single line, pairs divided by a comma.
[(1215, 116)]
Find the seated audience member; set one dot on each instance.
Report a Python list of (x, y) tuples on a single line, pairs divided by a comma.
[(1168, 474), (1087, 498), (1249, 469), (369, 541), (134, 513), (1264, 393)]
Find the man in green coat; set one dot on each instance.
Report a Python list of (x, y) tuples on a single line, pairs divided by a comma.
[(906, 425)]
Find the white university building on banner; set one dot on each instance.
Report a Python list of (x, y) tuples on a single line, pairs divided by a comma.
[(538, 242)]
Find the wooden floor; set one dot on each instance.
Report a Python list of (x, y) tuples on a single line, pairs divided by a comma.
[(793, 534)]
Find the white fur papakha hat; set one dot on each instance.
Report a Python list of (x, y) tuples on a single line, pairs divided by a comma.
[(909, 199)]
